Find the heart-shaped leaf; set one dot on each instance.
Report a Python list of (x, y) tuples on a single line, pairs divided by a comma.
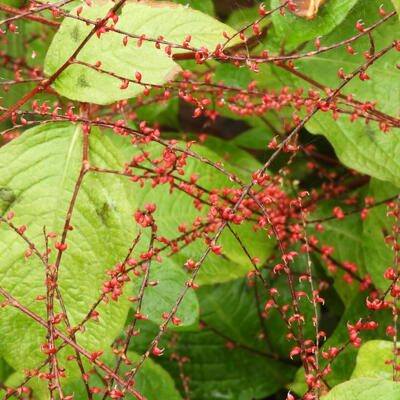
[(172, 21), (38, 172)]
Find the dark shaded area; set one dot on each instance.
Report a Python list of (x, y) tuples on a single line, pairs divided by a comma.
[(222, 127), (224, 7)]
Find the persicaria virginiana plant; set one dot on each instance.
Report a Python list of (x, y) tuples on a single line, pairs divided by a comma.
[(199, 199)]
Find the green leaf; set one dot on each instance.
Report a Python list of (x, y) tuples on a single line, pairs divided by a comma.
[(345, 362), (396, 5), (159, 299), (38, 386), (165, 114), (170, 20), (296, 30), (152, 380), (362, 147), (365, 389), (219, 372), (5, 370), (231, 75), (255, 138), (346, 238), (237, 314), (242, 16), (38, 172), (378, 254), (371, 360), (13, 3), (205, 6)]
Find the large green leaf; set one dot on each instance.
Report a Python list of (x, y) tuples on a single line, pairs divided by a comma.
[(371, 360), (237, 315), (396, 4), (5, 370), (159, 299), (365, 389), (378, 254), (173, 21), (38, 172), (362, 147), (205, 6), (219, 372), (152, 381), (296, 30), (255, 138), (345, 362), (345, 236)]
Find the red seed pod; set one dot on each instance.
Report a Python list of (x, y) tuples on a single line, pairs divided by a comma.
[(340, 73), (256, 29), (349, 49), (382, 11), (124, 84), (359, 26), (317, 43), (157, 351), (367, 56), (125, 40)]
